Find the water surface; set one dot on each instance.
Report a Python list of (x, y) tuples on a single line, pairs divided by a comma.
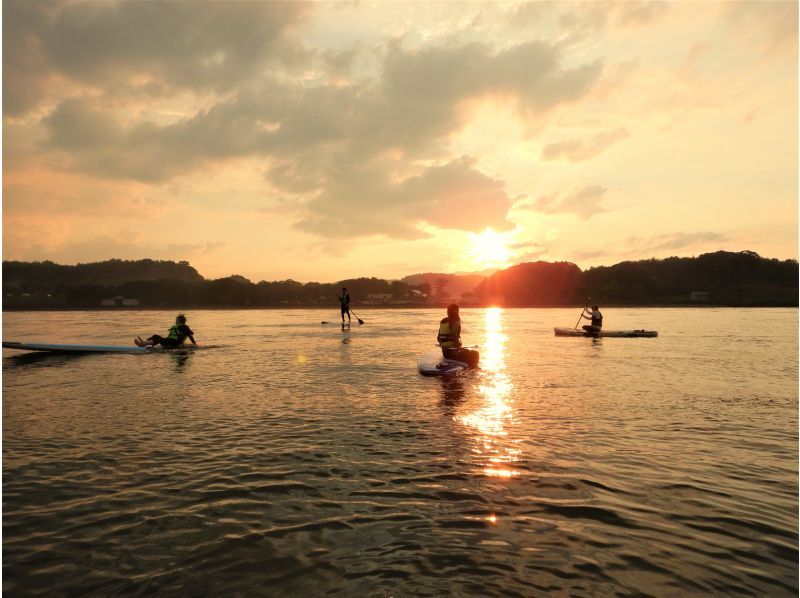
[(293, 458)]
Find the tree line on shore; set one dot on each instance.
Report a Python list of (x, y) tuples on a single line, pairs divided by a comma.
[(720, 278)]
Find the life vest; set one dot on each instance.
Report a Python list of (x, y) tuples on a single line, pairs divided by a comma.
[(344, 300), (597, 319), (445, 337), (176, 334)]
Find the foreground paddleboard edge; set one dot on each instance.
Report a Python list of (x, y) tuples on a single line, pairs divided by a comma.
[(606, 333), (68, 348)]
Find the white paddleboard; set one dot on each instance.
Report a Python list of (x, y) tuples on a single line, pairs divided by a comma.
[(433, 363), (611, 333), (53, 348)]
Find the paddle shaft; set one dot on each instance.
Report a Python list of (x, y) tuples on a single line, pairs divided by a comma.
[(584, 309)]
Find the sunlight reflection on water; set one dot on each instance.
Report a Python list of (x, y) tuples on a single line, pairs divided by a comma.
[(496, 412), (301, 459)]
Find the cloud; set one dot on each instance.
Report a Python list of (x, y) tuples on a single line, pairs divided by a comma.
[(281, 207), (584, 202), (749, 117), (127, 245), (33, 189), (93, 139), (103, 45), (77, 126), (635, 13), (577, 150), (692, 59), (587, 254), (26, 80), (336, 145), (526, 14), (524, 245), (657, 246), (450, 196), (527, 251), (673, 241), (412, 108), (439, 77), (593, 16), (769, 26)]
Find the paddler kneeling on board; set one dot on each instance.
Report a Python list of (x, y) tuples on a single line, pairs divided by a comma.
[(596, 317), (449, 338), (174, 339)]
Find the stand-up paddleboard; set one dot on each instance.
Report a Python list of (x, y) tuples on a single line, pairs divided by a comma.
[(51, 348), (433, 363), (611, 333)]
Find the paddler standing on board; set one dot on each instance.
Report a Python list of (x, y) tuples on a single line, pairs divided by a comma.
[(344, 303), (176, 336), (596, 317), (449, 338)]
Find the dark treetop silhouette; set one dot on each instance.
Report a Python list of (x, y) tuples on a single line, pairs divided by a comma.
[(720, 278)]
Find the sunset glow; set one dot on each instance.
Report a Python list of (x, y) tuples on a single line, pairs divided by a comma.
[(320, 141), (490, 250)]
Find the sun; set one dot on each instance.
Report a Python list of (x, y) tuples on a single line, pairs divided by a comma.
[(490, 249)]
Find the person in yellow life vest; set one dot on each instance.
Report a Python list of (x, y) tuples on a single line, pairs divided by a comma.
[(176, 335), (449, 338)]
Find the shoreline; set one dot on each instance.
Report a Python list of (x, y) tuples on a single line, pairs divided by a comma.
[(123, 308)]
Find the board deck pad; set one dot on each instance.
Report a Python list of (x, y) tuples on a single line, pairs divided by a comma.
[(433, 363)]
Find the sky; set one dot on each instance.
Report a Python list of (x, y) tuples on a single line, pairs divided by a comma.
[(324, 141)]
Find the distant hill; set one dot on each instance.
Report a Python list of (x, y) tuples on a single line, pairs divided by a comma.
[(149, 283), (729, 278), (453, 285), (720, 278), (111, 272), (531, 284)]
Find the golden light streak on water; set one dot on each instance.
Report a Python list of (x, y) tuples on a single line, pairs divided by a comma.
[(496, 413)]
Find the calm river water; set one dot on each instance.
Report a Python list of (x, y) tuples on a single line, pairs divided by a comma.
[(291, 458)]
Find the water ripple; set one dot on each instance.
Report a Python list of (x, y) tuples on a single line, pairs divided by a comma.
[(287, 462)]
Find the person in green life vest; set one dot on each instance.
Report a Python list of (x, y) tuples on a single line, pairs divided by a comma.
[(449, 338), (344, 303), (175, 337)]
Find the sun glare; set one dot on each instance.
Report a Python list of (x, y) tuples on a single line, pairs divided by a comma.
[(490, 249)]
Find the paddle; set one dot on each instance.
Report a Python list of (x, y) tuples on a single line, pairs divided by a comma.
[(588, 299), (360, 321)]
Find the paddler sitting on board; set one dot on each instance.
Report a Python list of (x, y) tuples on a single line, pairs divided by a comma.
[(596, 317), (449, 338), (344, 303), (174, 339)]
